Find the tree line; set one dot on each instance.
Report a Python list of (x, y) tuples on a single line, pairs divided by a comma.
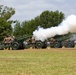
[(5, 23), (46, 19)]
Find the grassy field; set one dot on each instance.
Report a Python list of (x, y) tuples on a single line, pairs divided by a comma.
[(38, 62)]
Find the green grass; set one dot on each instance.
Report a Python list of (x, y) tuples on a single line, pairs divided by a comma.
[(38, 62)]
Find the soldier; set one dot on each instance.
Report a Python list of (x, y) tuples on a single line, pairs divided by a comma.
[(7, 41), (33, 42), (52, 40), (12, 37), (27, 41)]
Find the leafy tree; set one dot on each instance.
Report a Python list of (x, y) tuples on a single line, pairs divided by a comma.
[(46, 19), (51, 18), (17, 29), (28, 27), (5, 24)]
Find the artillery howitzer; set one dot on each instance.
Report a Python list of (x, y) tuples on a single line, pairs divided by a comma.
[(18, 42), (25, 42), (62, 40)]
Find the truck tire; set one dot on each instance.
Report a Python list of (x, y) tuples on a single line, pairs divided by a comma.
[(38, 44), (15, 46)]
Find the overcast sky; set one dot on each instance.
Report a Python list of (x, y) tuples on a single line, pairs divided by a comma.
[(29, 9)]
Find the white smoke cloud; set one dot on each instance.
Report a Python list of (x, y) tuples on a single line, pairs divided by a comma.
[(67, 25)]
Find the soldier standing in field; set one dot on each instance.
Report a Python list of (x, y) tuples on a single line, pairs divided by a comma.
[(7, 41), (52, 40), (33, 42)]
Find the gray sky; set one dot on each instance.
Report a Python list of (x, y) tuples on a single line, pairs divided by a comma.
[(29, 9)]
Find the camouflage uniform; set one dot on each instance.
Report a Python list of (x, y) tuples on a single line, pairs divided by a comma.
[(26, 43), (7, 41), (33, 42), (52, 40)]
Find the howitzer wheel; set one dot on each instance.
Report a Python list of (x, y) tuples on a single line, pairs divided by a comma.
[(15, 46), (39, 44), (57, 44), (69, 44)]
